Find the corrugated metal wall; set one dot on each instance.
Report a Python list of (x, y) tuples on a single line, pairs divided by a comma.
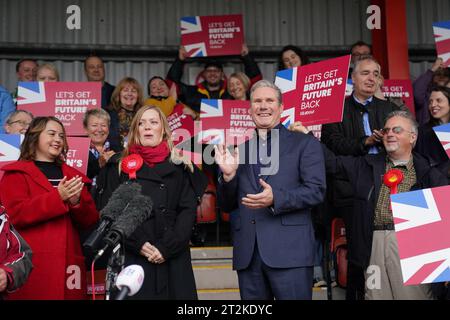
[(421, 14), (124, 27), (155, 22)]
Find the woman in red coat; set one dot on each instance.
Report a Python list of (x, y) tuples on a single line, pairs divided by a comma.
[(47, 200)]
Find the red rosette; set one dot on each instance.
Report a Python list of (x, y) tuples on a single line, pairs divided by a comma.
[(392, 179), (131, 164)]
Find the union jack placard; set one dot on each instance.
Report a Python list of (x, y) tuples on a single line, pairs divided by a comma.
[(443, 134), (225, 121), (67, 101), (9, 149), (422, 224), (442, 38), (77, 155), (315, 91), (204, 36)]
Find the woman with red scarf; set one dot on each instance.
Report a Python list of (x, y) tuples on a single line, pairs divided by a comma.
[(161, 244)]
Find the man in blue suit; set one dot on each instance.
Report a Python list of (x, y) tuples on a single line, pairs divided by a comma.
[(274, 179)]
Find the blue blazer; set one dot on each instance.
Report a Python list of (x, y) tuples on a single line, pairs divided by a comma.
[(284, 232)]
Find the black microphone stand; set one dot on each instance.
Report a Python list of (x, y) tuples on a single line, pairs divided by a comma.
[(115, 265)]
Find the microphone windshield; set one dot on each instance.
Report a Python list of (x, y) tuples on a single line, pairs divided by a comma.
[(138, 210), (119, 199)]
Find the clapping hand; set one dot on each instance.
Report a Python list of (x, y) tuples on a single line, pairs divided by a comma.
[(70, 190)]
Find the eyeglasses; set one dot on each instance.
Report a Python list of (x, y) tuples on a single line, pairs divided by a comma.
[(21, 123), (395, 130)]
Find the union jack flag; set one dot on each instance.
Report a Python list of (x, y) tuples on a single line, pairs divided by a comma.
[(422, 224), (191, 30), (286, 80), (443, 134), (442, 38), (211, 108), (30, 92), (288, 117), (9, 149)]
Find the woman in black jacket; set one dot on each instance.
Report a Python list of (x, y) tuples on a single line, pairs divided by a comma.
[(161, 244)]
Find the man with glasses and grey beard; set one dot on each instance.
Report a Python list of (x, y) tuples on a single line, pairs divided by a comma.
[(358, 134), (274, 179), (374, 242)]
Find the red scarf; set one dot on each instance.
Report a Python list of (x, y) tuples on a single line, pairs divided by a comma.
[(152, 155)]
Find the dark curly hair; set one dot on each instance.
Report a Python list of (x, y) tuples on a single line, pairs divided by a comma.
[(297, 50), (446, 92)]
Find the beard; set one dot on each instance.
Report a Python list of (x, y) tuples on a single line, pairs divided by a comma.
[(392, 147)]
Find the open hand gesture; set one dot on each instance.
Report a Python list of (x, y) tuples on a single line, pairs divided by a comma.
[(263, 199), (228, 163)]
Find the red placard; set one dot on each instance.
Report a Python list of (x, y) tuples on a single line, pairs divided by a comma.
[(401, 89), (78, 154), (181, 125), (225, 121), (67, 101), (315, 93), (204, 36)]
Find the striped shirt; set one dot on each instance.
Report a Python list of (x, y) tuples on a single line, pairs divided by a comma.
[(51, 170)]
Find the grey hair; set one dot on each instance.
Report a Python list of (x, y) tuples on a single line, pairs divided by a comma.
[(406, 115), (365, 58), (266, 84), (15, 113), (99, 113)]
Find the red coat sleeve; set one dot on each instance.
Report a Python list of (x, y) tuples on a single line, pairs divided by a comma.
[(85, 213), (27, 205)]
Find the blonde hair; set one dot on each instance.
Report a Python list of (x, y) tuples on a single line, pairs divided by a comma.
[(50, 67), (133, 138), (242, 77)]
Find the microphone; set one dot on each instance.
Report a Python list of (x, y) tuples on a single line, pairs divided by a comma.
[(129, 281), (120, 198), (135, 213)]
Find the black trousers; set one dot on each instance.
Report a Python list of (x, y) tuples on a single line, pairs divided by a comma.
[(355, 274)]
